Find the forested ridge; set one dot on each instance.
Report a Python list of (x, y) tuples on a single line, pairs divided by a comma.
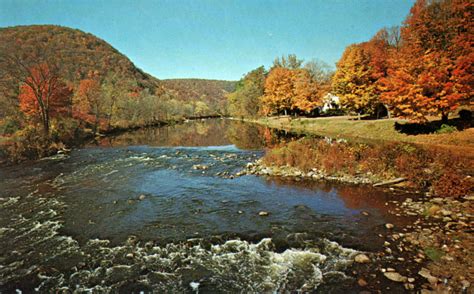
[(59, 85), (208, 95)]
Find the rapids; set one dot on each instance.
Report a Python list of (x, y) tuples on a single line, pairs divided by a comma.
[(165, 210)]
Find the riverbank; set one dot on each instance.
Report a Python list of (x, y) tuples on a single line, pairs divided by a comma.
[(29, 144), (440, 240), (432, 254), (351, 128)]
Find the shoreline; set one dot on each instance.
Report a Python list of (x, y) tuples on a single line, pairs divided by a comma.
[(90, 137), (428, 255), (374, 131)]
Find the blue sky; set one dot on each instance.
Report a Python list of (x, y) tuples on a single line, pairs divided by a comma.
[(215, 39)]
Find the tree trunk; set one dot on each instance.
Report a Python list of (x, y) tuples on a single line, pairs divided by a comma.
[(444, 118), (46, 124)]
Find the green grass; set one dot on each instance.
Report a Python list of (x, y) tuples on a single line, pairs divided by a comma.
[(375, 130), (433, 253)]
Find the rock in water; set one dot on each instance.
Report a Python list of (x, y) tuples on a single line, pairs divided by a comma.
[(389, 226), (194, 286), (141, 197), (393, 276), (433, 209), (362, 282), (361, 258), (263, 213), (425, 273)]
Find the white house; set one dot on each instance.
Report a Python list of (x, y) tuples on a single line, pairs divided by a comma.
[(330, 101)]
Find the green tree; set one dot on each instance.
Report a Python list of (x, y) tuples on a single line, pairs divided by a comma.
[(245, 100), (289, 62)]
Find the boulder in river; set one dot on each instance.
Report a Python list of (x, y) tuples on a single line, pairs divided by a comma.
[(396, 277), (389, 226), (361, 258), (200, 167), (263, 213)]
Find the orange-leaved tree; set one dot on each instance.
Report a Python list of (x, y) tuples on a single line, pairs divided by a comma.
[(279, 91), (432, 72), (358, 73), (290, 90), (307, 93), (89, 102), (352, 80), (43, 95)]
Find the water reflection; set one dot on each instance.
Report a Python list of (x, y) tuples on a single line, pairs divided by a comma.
[(209, 132)]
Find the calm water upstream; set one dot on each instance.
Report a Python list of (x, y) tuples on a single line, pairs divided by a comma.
[(158, 210)]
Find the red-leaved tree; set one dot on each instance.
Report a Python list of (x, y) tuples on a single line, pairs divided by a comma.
[(43, 95), (432, 73)]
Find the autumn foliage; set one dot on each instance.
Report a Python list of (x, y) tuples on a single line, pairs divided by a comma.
[(445, 173), (424, 69), (432, 73), (290, 90), (43, 95), (358, 71)]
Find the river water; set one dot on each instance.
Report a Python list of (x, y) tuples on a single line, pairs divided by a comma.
[(161, 210)]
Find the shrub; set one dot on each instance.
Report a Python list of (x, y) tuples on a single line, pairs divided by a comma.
[(436, 168), (9, 127), (433, 253), (452, 184), (446, 129), (65, 130)]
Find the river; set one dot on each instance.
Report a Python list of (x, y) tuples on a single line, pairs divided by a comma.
[(162, 210)]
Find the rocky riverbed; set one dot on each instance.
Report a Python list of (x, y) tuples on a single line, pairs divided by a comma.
[(433, 254), (440, 240), (258, 168)]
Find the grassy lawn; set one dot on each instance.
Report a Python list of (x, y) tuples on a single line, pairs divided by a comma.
[(383, 129)]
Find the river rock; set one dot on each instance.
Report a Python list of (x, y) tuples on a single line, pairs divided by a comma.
[(200, 167), (118, 273), (394, 276), (425, 273), (263, 213), (141, 197), (361, 258), (389, 226), (465, 284), (433, 209), (362, 282), (445, 212), (437, 200)]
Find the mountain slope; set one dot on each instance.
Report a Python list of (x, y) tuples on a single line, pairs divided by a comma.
[(212, 92), (75, 52)]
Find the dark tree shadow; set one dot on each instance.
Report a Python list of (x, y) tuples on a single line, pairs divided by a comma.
[(464, 121)]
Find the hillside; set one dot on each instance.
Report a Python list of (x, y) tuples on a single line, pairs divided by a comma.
[(75, 52), (60, 85), (212, 92)]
